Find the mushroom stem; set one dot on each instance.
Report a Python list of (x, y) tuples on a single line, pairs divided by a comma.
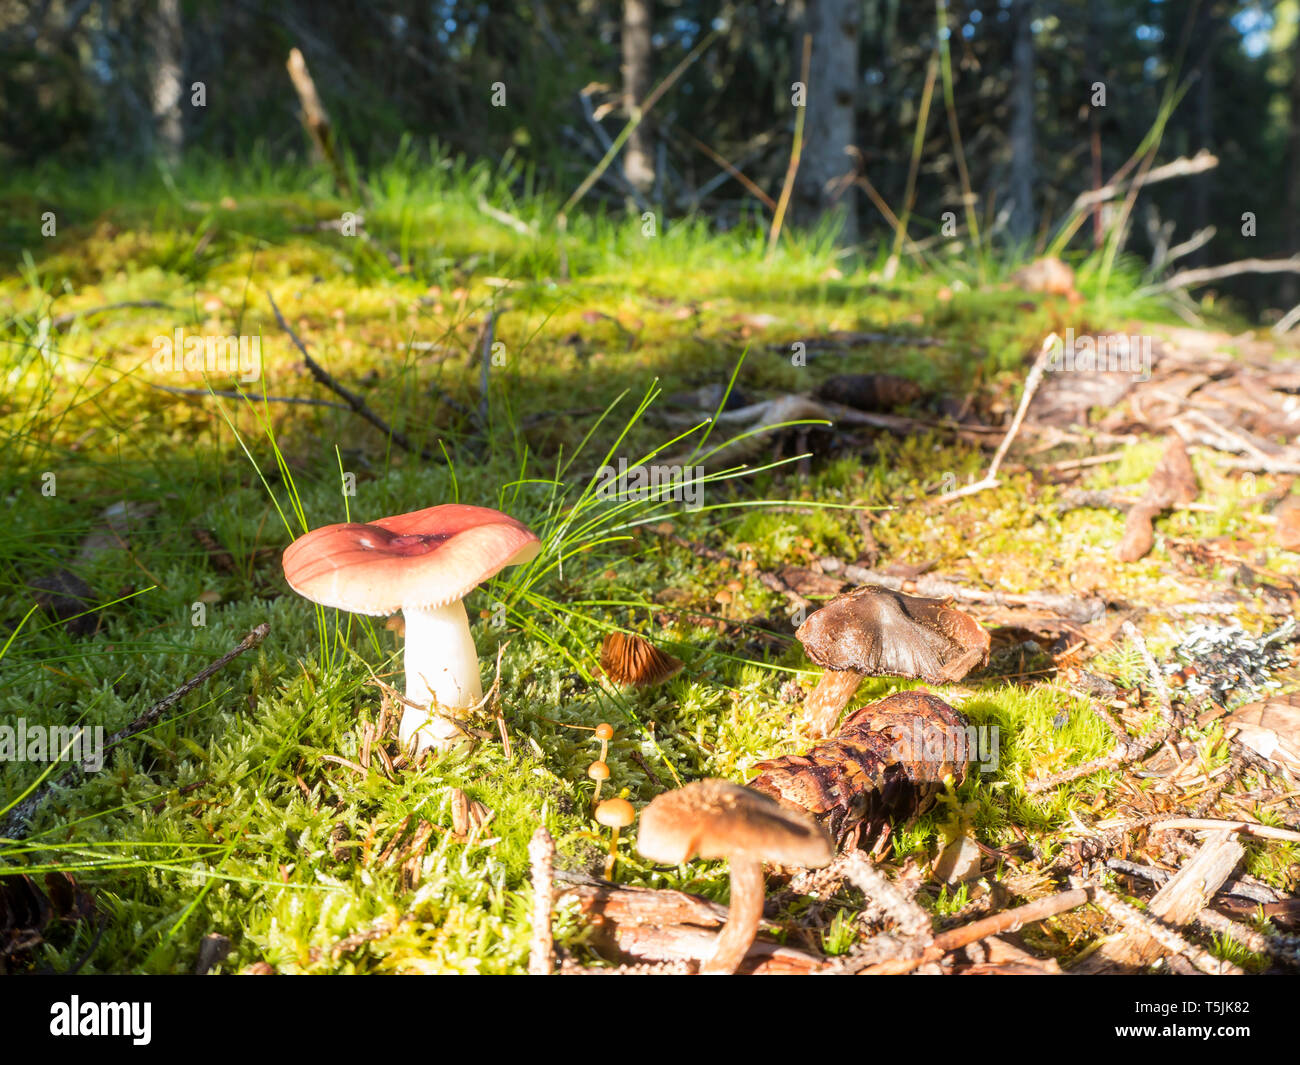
[(612, 860), (745, 912), (441, 668), (822, 708)]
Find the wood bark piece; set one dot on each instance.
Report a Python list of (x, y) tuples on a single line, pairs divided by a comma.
[(642, 925)]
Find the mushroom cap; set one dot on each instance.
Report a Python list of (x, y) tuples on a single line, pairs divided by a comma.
[(615, 813), (878, 632), (718, 819), (426, 559), (598, 770), (629, 659)]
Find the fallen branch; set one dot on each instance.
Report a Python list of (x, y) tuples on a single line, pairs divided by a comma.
[(1182, 167), (305, 401), (541, 950), (1250, 828), (21, 813), (1032, 382), (863, 874), (1065, 606), (67, 318), (1205, 274), (1135, 920), (1007, 921), (354, 401)]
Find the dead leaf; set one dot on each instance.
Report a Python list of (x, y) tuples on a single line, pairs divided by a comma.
[(1271, 728)]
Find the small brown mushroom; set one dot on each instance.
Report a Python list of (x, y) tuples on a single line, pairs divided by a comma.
[(599, 772), (718, 819), (614, 814), (876, 632), (634, 660)]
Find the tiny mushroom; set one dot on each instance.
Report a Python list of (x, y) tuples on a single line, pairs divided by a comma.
[(599, 772), (718, 819), (614, 814), (423, 564), (877, 632), (633, 660)]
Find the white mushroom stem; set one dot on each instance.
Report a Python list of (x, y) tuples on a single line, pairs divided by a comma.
[(822, 708), (743, 917), (441, 672)]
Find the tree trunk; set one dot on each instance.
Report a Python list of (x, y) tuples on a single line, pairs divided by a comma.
[(638, 156), (1021, 222), (1206, 34), (168, 43), (1291, 286), (829, 125)]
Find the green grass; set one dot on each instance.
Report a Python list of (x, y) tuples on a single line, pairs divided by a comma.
[(228, 816)]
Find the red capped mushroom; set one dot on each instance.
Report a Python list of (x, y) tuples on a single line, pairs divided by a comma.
[(423, 564)]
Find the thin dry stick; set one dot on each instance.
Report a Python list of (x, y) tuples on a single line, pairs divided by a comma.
[(20, 815), (1153, 671), (1182, 897), (1250, 828), (1125, 749), (796, 150), (1135, 920), (1213, 921), (735, 172), (541, 950), (1204, 275), (305, 401), (1031, 386), (354, 401), (859, 871), (1197, 164), (1007, 921)]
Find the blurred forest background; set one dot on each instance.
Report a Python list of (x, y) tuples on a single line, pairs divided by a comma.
[(997, 95)]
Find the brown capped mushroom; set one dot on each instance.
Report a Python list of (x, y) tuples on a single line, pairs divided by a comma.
[(876, 632), (599, 772), (633, 660), (718, 819), (614, 814)]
